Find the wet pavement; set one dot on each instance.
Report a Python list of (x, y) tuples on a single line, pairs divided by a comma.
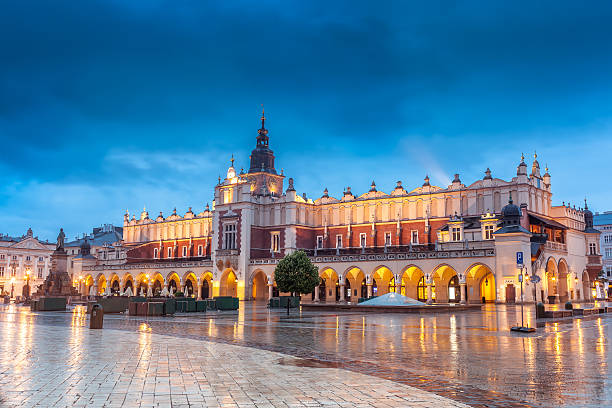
[(468, 356)]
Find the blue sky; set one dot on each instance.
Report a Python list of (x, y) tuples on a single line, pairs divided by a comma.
[(107, 106)]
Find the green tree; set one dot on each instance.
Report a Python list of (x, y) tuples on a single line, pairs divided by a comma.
[(296, 274)]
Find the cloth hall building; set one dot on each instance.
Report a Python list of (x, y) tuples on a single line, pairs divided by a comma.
[(454, 243)]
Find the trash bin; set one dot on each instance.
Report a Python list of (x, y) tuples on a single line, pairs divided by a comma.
[(97, 317)]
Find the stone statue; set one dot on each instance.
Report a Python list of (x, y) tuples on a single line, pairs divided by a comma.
[(60, 240)]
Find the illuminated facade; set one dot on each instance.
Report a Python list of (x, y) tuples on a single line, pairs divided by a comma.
[(24, 263), (437, 244)]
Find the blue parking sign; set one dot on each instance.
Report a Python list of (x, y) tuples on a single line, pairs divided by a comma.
[(519, 259)]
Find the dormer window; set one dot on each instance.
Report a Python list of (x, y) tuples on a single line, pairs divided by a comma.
[(319, 241), (362, 240), (338, 241), (155, 253), (488, 231), (456, 233)]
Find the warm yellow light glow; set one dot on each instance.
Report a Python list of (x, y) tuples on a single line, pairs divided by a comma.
[(12, 280), (215, 286), (240, 293)]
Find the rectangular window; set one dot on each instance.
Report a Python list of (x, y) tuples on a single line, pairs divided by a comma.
[(200, 250), (40, 259), (608, 252), (184, 252), (1, 271), (229, 236), (14, 257), (592, 249), (170, 252), (488, 229), (275, 242), (155, 252), (387, 238), (414, 237), (2, 257), (40, 272), (608, 239), (13, 271), (456, 233), (363, 240), (319, 241), (28, 258), (338, 241), (117, 255)]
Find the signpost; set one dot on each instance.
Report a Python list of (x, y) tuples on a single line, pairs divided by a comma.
[(520, 266)]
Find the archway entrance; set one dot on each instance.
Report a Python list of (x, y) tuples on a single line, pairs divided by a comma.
[(364, 288), (322, 291), (410, 281), (329, 279), (442, 277), (487, 288), (551, 281), (480, 284), (206, 289), (115, 287), (259, 286), (174, 283), (384, 279), (228, 284)]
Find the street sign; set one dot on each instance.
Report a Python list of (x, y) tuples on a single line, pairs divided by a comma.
[(534, 278), (519, 259)]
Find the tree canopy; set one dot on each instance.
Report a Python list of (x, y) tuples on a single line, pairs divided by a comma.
[(296, 274)]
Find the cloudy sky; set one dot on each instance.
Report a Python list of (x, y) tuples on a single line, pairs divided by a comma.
[(114, 105)]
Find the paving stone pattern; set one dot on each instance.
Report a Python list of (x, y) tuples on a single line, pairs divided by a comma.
[(69, 365)]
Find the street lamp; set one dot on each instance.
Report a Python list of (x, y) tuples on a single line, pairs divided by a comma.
[(12, 286), (27, 279)]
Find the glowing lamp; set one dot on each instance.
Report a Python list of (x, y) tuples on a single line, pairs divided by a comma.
[(486, 282)]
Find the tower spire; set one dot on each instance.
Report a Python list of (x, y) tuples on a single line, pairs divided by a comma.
[(263, 117)]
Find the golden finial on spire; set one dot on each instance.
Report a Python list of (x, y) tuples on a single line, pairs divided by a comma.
[(263, 116), (522, 157), (232, 160), (535, 155)]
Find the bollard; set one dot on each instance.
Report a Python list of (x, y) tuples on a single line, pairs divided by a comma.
[(568, 306), (540, 310), (97, 317)]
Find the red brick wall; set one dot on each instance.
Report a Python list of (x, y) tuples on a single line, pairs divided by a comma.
[(261, 240), (381, 229), (146, 251)]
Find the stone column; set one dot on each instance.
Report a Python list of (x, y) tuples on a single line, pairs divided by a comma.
[(341, 292), (398, 284), (429, 299), (270, 290), (369, 285), (463, 287), (316, 297)]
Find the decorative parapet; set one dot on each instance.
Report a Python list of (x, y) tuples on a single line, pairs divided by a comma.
[(149, 265), (475, 253), (555, 246)]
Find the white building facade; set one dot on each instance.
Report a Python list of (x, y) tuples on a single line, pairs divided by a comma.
[(25, 262)]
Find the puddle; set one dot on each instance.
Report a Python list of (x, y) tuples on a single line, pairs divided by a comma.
[(307, 362)]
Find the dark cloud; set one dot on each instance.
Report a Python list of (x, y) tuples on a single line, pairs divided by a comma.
[(355, 89)]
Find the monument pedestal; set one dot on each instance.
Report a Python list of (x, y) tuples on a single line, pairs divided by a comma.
[(57, 287)]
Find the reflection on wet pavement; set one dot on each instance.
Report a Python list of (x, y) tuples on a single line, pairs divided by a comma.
[(469, 356)]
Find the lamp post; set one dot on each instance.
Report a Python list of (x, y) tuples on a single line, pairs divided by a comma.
[(12, 286)]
